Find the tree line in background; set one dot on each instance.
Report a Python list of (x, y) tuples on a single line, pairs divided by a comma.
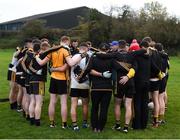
[(118, 23)]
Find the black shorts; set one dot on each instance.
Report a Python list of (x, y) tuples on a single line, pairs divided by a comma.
[(58, 86), (11, 76), (84, 93), (27, 79), (154, 86), (20, 80), (163, 83), (125, 90), (37, 88)]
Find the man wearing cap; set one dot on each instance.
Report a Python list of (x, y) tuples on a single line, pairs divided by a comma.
[(141, 97), (134, 46), (114, 46), (125, 65)]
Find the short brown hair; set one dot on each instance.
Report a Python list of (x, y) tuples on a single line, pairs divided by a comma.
[(147, 39), (65, 38), (122, 44), (83, 44), (44, 40)]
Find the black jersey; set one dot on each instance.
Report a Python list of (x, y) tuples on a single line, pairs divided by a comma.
[(19, 68), (123, 61), (165, 62), (38, 72), (156, 63), (100, 65)]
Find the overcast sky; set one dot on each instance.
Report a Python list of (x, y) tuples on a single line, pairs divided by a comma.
[(13, 9)]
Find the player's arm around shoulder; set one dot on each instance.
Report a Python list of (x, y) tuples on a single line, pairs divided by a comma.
[(43, 61), (71, 61)]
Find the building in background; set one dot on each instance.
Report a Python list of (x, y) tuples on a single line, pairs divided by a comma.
[(64, 19)]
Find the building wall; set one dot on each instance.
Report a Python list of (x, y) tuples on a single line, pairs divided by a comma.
[(12, 26)]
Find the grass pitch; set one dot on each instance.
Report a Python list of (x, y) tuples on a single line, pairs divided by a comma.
[(13, 125)]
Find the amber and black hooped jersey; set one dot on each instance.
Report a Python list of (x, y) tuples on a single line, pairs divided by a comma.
[(26, 60), (22, 53), (38, 73), (19, 68)]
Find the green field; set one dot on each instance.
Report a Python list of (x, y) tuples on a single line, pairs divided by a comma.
[(13, 125)]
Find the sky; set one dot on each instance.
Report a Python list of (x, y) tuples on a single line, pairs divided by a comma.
[(14, 9)]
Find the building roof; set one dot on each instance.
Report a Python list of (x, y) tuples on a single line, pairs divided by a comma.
[(38, 16)]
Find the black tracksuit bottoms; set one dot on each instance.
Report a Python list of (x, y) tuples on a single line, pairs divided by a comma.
[(141, 99), (99, 110)]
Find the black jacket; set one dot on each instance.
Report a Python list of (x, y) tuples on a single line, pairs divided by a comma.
[(100, 65)]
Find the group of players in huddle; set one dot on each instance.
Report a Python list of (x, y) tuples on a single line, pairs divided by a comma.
[(135, 74)]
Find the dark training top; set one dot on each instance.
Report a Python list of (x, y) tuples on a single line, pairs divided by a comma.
[(100, 65), (34, 67), (122, 58), (156, 63), (165, 65), (22, 53), (144, 69)]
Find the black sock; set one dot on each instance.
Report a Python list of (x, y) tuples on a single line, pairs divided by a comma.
[(27, 117), (12, 106), (15, 105), (37, 122), (32, 121), (64, 124)]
